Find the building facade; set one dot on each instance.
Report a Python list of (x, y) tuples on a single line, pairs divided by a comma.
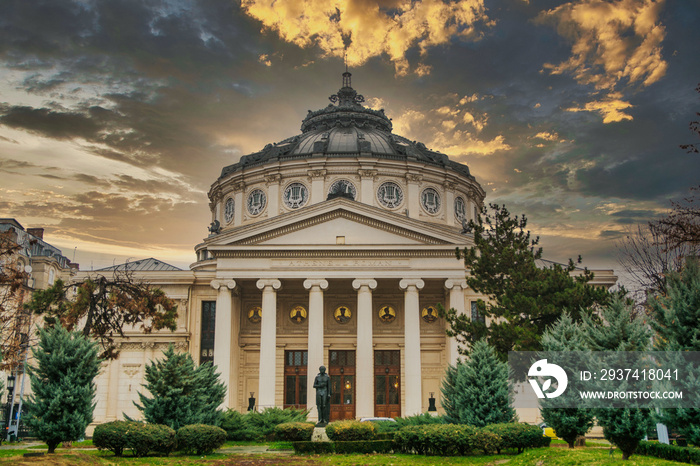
[(333, 247)]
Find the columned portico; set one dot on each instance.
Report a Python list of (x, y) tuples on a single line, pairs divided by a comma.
[(222, 336), (412, 355), (365, 351), (456, 288), (268, 342), (315, 340)]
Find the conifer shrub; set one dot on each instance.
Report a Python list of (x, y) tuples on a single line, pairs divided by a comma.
[(261, 425), (351, 431), (200, 439), (63, 399), (518, 436), (294, 431), (234, 423), (112, 436)]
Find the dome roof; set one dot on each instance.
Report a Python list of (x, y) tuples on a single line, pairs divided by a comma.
[(346, 129)]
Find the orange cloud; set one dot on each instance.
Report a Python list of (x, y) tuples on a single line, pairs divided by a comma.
[(613, 42), (371, 27), (611, 108)]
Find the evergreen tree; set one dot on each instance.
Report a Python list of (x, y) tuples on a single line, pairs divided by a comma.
[(677, 324), (622, 330), (568, 423), (449, 394), (183, 394), (523, 299), (62, 403), (483, 395)]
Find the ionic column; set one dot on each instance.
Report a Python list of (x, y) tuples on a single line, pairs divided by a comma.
[(315, 340), (411, 353), (268, 342), (222, 333), (456, 287), (364, 358)]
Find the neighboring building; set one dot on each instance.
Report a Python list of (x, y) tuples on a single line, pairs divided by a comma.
[(332, 247)]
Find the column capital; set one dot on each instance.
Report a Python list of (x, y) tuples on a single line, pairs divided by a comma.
[(368, 282), (265, 282), (217, 284), (455, 282), (406, 283), (312, 282)]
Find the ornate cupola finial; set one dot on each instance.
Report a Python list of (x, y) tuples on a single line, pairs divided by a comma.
[(347, 96)]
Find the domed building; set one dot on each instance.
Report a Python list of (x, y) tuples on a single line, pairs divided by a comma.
[(338, 244), (332, 247)]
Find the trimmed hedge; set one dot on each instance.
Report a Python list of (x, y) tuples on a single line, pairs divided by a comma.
[(351, 431), (294, 431), (362, 446), (445, 440), (200, 439), (518, 436), (145, 438), (112, 436), (313, 448), (669, 452)]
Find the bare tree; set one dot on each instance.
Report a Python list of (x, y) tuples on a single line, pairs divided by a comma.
[(14, 320), (648, 255), (682, 225)]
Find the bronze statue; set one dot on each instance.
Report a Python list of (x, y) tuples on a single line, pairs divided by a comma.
[(322, 384)]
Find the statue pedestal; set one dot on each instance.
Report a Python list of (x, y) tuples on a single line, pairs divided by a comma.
[(319, 435)]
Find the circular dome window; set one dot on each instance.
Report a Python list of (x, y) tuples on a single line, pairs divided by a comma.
[(295, 195), (256, 202), (430, 200), (390, 195)]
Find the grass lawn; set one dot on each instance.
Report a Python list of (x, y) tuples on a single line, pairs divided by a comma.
[(539, 457)]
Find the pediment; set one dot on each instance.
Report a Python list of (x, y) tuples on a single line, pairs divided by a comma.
[(324, 224)]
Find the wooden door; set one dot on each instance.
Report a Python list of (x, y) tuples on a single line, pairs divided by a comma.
[(295, 363), (341, 368), (387, 383)]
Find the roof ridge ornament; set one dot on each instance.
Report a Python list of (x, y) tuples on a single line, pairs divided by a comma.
[(347, 96)]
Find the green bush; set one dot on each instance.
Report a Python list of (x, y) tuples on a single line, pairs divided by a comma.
[(200, 439), (294, 431), (363, 446), (112, 436), (313, 448), (444, 440), (419, 420), (518, 436), (142, 439), (669, 452), (351, 431), (258, 425), (235, 426)]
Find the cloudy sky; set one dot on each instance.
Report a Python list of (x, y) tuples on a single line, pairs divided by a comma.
[(117, 115)]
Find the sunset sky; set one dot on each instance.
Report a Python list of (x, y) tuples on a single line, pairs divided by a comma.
[(117, 115)]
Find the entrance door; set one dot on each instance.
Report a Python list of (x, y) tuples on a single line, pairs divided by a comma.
[(387, 383), (341, 368), (295, 363)]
